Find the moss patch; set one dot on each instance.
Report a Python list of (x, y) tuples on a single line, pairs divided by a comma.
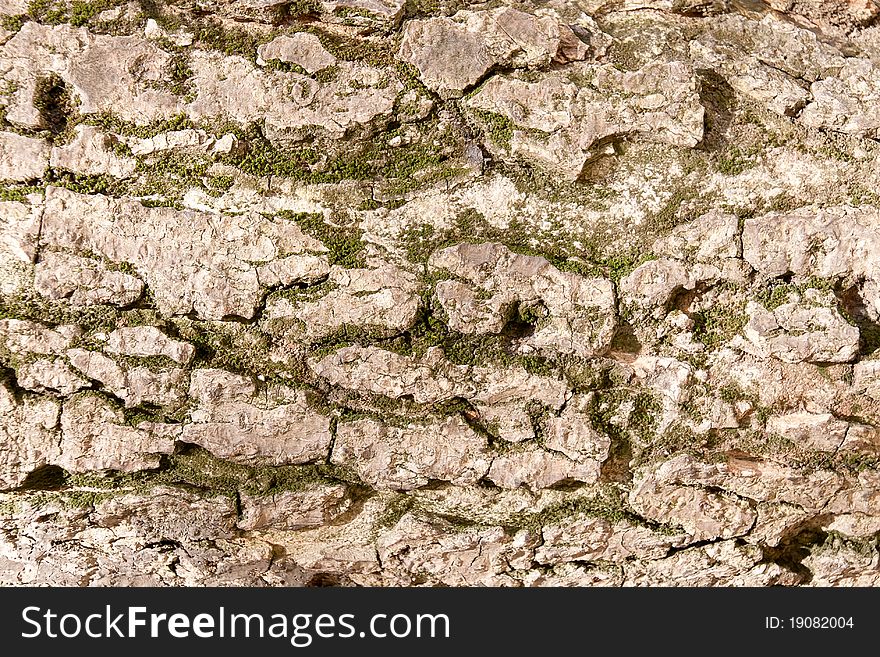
[(54, 102), (608, 504), (554, 244), (38, 309), (497, 127), (195, 468), (342, 239), (74, 12), (719, 323)]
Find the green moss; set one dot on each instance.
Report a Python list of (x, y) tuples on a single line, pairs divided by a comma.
[(836, 149), (784, 202), (162, 179), (627, 54), (399, 169), (230, 346), (431, 331), (411, 79), (83, 12), (531, 314), (344, 242), (83, 498), (35, 308), (19, 192), (719, 324), (731, 393), (554, 244), (75, 12), (284, 67), (861, 195), (302, 294), (179, 74), (463, 349), (219, 36), (775, 295), (419, 242), (38, 8), (153, 363), (53, 100), (301, 8), (195, 468), (736, 160), (176, 167), (12, 23), (88, 184), (835, 542), (327, 75), (621, 265), (608, 503), (670, 215), (640, 422), (395, 510), (262, 158), (413, 8), (856, 462), (109, 122), (217, 185), (471, 350), (372, 52), (499, 128), (676, 439), (11, 505), (159, 12), (134, 416), (345, 336), (778, 292), (161, 203), (352, 12), (809, 460)]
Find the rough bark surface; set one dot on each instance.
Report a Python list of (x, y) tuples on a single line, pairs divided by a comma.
[(440, 293)]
